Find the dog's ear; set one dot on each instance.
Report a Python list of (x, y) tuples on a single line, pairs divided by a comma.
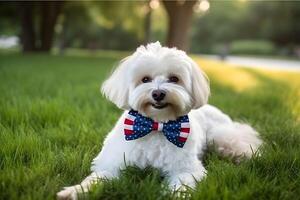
[(200, 86), (116, 87)]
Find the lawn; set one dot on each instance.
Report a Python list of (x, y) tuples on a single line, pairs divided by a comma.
[(53, 121)]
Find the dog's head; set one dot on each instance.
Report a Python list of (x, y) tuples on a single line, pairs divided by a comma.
[(159, 82)]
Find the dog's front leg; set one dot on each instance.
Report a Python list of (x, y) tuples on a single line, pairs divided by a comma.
[(103, 168), (71, 193), (179, 179)]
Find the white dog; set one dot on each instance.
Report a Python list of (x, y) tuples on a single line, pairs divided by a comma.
[(166, 123)]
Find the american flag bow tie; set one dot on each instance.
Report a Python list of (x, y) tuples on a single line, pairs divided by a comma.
[(137, 126)]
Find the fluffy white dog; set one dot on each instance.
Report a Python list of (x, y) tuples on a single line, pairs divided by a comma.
[(166, 123)]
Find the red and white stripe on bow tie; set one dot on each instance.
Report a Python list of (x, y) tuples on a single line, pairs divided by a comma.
[(184, 131), (157, 126), (128, 128)]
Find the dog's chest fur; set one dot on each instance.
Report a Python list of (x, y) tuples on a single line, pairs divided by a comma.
[(156, 151)]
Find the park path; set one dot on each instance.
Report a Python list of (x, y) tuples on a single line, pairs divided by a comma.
[(254, 62)]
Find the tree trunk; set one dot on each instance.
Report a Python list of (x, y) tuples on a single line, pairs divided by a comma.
[(50, 11), (147, 26), (62, 37), (28, 39), (180, 14)]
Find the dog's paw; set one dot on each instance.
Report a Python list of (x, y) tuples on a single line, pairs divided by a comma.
[(182, 192), (68, 193)]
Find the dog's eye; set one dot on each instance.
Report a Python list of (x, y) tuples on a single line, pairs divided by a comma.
[(173, 79), (146, 79)]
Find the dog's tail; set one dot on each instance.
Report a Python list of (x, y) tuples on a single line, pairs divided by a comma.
[(230, 138)]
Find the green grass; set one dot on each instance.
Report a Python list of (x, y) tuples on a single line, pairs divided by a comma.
[(53, 121)]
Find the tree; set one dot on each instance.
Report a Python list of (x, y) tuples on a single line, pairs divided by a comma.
[(50, 11), (180, 15), (27, 27), (34, 36)]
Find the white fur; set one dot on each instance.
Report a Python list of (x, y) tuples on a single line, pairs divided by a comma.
[(183, 166)]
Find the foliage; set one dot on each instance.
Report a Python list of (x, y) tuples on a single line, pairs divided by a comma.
[(8, 18), (126, 14), (227, 21), (53, 122), (218, 26), (99, 27), (278, 21), (254, 47)]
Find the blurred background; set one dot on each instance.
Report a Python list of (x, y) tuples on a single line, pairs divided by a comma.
[(242, 27)]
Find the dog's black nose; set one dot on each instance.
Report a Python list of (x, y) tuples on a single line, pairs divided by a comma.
[(158, 95)]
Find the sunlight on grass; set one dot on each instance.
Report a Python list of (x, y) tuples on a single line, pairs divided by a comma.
[(240, 80), (237, 79), (292, 79)]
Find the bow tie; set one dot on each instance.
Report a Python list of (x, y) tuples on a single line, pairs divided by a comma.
[(137, 126)]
